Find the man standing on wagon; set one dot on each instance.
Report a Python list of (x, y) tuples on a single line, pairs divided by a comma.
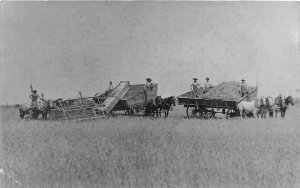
[(34, 97), (243, 88), (148, 87), (109, 89), (195, 86), (207, 86)]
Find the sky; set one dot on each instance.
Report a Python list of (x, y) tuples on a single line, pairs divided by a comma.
[(62, 48)]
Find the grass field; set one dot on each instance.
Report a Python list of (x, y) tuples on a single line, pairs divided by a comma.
[(140, 152)]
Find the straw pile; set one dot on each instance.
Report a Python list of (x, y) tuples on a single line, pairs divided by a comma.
[(225, 91)]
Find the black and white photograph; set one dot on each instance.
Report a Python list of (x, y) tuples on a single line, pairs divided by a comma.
[(161, 94)]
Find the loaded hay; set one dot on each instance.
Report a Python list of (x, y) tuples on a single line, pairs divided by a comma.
[(226, 91)]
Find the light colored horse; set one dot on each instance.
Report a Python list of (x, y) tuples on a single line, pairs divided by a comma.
[(248, 108)]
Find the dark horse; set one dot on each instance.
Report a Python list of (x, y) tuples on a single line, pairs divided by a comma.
[(150, 107), (262, 108), (282, 105), (43, 109), (34, 111), (164, 105)]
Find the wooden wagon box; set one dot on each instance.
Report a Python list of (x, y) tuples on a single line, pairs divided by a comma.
[(135, 97)]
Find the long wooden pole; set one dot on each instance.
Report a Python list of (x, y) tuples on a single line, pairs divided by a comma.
[(246, 96), (31, 88)]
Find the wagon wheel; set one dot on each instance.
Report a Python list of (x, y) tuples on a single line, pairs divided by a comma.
[(190, 111), (199, 114), (209, 114), (130, 111), (230, 113)]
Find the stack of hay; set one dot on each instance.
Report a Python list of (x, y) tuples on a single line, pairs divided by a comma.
[(225, 91)]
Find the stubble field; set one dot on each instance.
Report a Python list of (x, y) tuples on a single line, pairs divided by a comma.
[(141, 152)]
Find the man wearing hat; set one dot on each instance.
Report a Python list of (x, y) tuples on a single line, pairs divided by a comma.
[(207, 85), (34, 97), (195, 86), (243, 88), (148, 87), (109, 89)]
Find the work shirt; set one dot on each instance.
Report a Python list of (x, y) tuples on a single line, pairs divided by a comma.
[(110, 88), (195, 86), (34, 97), (148, 86), (243, 87), (207, 85)]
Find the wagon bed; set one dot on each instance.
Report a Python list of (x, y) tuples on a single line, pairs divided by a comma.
[(202, 107)]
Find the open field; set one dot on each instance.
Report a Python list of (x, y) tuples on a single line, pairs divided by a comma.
[(140, 152)]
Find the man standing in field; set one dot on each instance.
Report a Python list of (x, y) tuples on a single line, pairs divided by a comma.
[(207, 86), (148, 87), (243, 88), (195, 86)]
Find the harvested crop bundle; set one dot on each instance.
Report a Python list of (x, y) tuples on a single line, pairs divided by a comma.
[(226, 91)]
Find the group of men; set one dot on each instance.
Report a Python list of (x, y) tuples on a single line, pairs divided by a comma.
[(195, 87)]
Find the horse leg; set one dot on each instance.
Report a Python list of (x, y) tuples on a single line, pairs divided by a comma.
[(257, 114), (21, 114), (241, 113), (284, 110)]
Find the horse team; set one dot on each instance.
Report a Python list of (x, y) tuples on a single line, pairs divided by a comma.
[(261, 107), (266, 105), (159, 105)]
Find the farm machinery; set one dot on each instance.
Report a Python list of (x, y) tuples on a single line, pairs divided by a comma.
[(125, 98)]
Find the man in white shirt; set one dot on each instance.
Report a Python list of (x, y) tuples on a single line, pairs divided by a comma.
[(195, 86), (148, 87), (109, 89), (207, 85), (243, 88)]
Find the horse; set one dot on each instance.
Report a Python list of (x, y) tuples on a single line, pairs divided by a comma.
[(247, 107), (150, 107), (281, 104), (262, 108), (42, 108), (159, 105), (25, 110), (270, 106), (165, 104)]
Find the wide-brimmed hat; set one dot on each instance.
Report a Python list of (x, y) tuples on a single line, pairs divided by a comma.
[(207, 78), (243, 79), (195, 78), (148, 79), (34, 91)]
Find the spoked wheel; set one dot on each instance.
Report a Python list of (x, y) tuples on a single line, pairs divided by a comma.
[(230, 113), (191, 111), (209, 114)]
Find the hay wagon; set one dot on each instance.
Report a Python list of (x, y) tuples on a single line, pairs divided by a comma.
[(198, 106)]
